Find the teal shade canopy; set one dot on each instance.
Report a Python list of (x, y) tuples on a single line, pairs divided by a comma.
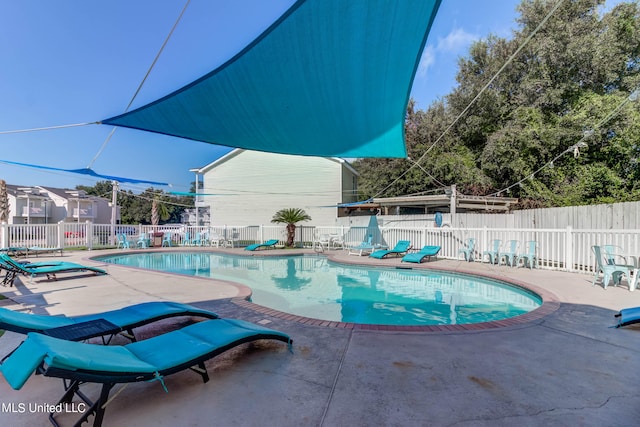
[(89, 172), (329, 78)]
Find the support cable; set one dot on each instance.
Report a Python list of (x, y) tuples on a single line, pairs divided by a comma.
[(486, 86), (106, 141)]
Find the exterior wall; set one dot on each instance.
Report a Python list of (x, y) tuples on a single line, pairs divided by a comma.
[(349, 186), (59, 208), (102, 211), (259, 184), (39, 213), (12, 210)]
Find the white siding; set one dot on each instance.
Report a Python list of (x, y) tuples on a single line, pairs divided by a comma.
[(259, 184)]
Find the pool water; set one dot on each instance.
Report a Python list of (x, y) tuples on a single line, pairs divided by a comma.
[(312, 286)]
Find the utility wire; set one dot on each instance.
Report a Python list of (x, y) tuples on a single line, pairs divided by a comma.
[(575, 148), (486, 86), (166, 40)]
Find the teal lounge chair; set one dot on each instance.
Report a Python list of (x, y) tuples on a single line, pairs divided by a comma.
[(529, 258), (628, 316), (510, 253), (11, 273), (38, 250), (610, 271), (366, 247), (49, 270), (492, 251), (148, 360), (468, 249), (425, 252), (401, 247), (79, 328), (268, 244)]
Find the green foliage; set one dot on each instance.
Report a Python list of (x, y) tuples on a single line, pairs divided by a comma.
[(290, 216), (137, 208), (573, 76)]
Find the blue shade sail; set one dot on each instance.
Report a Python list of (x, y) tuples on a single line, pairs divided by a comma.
[(329, 78), (88, 172)]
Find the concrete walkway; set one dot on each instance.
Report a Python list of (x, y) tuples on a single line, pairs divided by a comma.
[(566, 368)]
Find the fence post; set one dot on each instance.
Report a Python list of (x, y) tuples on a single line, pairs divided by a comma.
[(88, 234), (4, 236), (568, 249), (60, 233), (485, 240), (423, 237)]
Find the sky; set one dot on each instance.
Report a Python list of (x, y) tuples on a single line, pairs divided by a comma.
[(69, 62)]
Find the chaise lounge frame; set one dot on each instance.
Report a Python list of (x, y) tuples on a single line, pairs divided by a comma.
[(236, 332)]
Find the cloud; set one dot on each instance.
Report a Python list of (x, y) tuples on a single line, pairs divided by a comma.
[(427, 59), (456, 41)]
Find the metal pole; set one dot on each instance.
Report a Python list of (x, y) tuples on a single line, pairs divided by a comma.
[(114, 208), (196, 199)]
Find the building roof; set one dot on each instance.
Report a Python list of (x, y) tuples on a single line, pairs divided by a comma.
[(443, 202), (233, 153)]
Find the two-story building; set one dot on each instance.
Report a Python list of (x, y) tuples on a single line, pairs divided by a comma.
[(247, 187), (29, 205), (48, 205)]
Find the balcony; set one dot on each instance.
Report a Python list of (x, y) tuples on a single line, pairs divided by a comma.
[(86, 213), (32, 212)]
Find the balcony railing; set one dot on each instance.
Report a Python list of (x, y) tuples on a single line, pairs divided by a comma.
[(83, 213), (33, 212)]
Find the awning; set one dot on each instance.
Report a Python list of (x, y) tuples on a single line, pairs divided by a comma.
[(329, 78), (88, 172)]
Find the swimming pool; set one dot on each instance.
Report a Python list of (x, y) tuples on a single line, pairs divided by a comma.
[(312, 286)]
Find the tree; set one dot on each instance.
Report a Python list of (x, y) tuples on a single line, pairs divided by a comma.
[(136, 208), (159, 212), (4, 202), (579, 67), (290, 216)]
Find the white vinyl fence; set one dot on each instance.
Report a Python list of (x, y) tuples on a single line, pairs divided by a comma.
[(563, 249)]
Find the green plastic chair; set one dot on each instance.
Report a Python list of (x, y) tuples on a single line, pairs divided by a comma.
[(510, 254), (123, 242), (467, 251), (197, 240), (612, 253), (609, 271), (529, 258), (493, 251), (143, 241)]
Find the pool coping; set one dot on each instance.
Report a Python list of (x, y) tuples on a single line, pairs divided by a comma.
[(550, 302)]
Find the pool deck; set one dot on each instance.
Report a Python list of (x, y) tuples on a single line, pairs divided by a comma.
[(563, 366)]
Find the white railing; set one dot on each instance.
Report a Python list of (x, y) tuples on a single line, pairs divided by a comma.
[(558, 249)]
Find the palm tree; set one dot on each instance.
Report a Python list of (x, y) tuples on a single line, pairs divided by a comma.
[(290, 216), (159, 212), (4, 202)]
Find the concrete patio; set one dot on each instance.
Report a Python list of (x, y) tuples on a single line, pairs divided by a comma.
[(565, 367)]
